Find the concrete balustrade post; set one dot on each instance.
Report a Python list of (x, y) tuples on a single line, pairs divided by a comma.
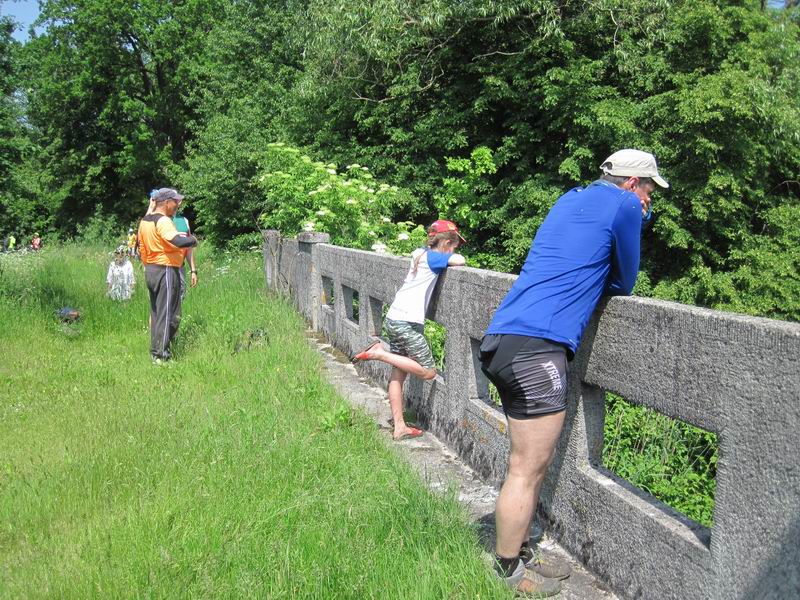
[(271, 251), (307, 279)]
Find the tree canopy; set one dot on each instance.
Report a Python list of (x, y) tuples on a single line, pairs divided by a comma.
[(484, 111)]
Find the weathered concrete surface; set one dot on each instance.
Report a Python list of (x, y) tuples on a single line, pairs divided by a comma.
[(736, 376), (442, 469)]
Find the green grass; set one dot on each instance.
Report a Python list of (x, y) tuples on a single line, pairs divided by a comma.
[(673, 461), (223, 474)]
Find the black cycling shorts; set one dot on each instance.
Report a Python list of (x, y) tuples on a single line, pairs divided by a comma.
[(529, 373)]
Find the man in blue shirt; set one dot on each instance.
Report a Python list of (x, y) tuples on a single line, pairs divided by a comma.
[(587, 247)]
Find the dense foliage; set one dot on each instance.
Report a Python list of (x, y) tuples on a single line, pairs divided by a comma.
[(483, 111), (674, 461)]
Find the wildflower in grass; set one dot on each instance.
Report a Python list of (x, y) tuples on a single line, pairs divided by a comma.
[(373, 234), (322, 212), (370, 191), (402, 236), (350, 201), (331, 171), (379, 247), (386, 219)]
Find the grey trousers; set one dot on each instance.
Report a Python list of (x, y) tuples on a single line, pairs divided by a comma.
[(164, 286)]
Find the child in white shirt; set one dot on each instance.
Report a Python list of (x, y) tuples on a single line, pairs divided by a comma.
[(409, 351), (120, 278)]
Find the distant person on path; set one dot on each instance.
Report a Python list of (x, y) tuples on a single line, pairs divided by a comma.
[(131, 242), (587, 246), (36, 242), (12, 242), (182, 225), (409, 351), (120, 278), (161, 249)]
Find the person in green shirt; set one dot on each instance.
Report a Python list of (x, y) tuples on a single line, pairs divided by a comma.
[(182, 225)]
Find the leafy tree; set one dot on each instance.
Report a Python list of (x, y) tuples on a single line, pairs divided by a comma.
[(106, 94), (247, 67), (552, 88), (21, 208), (484, 111)]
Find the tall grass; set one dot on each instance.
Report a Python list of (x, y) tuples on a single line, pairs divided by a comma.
[(223, 474), (674, 461)]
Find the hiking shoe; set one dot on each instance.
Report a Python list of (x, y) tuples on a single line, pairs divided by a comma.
[(528, 584), (551, 567)]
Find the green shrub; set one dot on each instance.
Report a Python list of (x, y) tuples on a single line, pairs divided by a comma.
[(100, 228), (300, 194), (674, 461)]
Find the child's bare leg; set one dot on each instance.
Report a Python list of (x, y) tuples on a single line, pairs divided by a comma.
[(403, 363), (396, 380)]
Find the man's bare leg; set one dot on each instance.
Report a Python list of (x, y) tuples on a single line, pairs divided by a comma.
[(533, 442)]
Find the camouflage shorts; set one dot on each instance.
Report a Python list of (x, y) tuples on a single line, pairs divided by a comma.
[(407, 339)]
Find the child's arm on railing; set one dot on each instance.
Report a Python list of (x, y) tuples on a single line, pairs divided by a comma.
[(456, 260)]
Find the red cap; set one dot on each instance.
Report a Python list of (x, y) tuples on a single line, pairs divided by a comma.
[(443, 226)]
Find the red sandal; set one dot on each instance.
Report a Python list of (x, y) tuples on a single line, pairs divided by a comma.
[(363, 354)]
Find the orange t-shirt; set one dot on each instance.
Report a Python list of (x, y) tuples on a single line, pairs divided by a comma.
[(155, 233)]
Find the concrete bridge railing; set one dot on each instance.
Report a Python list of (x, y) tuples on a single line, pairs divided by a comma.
[(733, 375)]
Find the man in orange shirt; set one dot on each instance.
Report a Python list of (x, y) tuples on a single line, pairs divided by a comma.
[(161, 248)]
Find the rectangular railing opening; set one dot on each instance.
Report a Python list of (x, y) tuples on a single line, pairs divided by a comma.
[(355, 308), (669, 459), (351, 303), (377, 312), (483, 389), (436, 334), (327, 291)]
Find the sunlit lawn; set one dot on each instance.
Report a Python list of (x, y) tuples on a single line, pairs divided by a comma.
[(224, 474)]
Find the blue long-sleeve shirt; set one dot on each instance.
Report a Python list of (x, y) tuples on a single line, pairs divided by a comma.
[(587, 246)]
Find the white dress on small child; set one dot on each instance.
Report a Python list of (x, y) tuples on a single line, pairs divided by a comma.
[(120, 280)]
